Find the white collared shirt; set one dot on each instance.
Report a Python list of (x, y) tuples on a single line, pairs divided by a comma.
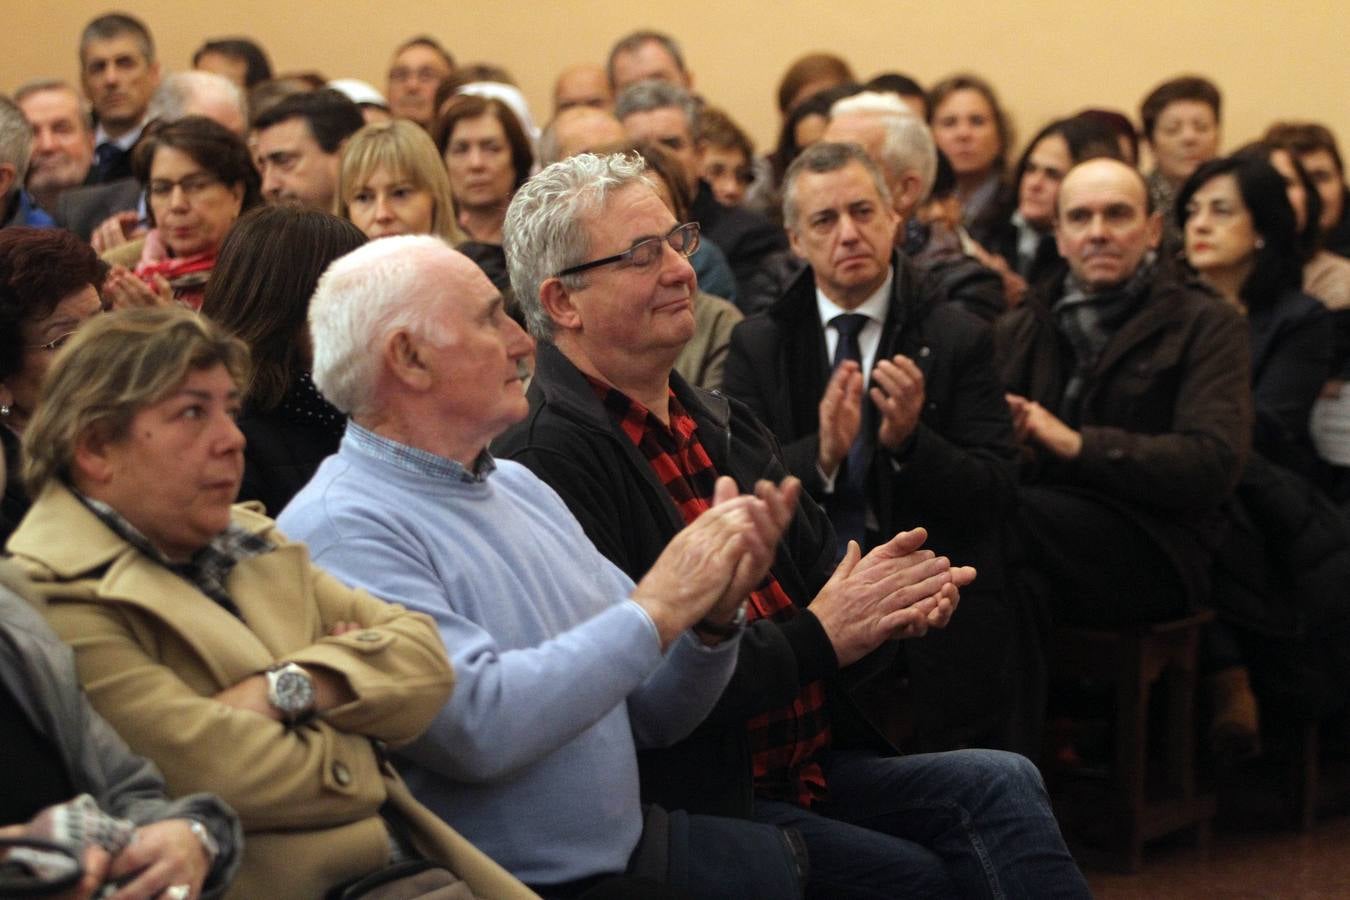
[(874, 307), (126, 141)]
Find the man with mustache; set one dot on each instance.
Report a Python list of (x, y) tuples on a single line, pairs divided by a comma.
[(1130, 397)]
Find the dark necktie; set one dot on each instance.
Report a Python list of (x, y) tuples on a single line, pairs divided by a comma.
[(106, 157), (848, 504)]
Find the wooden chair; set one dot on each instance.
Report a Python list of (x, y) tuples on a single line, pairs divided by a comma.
[(1145, 794)]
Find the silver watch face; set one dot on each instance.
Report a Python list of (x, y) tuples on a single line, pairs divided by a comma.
[(292, 691)]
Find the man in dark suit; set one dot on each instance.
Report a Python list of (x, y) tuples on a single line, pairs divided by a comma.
[(119, 74), (886, 404)]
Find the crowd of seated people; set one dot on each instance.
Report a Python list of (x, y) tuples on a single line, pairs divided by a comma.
[(401, 497)]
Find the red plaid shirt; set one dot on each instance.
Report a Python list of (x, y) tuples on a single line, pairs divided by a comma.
[(785, 742)]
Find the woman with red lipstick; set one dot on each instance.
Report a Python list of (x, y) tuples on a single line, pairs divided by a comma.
[(1281, 568), (1241, 237), (198, 179)]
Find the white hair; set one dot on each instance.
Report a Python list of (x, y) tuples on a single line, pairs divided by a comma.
[(908, 146), (543, 232), (363, 297), (175, 96), (16, 140)]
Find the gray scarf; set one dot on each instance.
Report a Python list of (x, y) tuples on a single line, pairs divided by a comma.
[(1087, 321)]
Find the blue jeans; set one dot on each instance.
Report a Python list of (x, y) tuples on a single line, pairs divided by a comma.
[(968, 823)]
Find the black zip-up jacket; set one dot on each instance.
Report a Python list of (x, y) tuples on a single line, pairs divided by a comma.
[(569, 440)]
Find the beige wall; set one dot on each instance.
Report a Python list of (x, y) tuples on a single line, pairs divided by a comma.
[(1047, 58)]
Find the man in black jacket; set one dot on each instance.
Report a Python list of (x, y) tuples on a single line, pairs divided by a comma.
[(601, 271), (1130, 396), (928, 441)]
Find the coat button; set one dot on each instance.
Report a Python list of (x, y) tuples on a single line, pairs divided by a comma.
[(368, 636), (341, 774), (924, 351), (1115, 454)]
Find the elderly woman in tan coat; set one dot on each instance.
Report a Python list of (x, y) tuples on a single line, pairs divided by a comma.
[(209, 641)]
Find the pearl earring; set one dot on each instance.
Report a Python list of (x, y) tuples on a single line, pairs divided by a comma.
[(4, 409), (1260, 243)]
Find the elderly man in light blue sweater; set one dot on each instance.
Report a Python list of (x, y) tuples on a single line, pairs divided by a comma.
[(564, 666)]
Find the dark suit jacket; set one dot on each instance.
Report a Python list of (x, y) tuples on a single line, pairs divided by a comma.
[(956, 477), (82, 209)]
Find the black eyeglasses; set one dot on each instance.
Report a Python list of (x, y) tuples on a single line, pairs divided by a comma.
[(683, 239)]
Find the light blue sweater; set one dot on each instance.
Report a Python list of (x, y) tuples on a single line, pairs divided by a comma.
[(559, 677)]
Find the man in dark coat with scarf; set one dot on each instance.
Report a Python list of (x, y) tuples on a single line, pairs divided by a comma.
[(1130, 396)]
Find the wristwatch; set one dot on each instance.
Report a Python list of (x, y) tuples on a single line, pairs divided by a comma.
[(200, 832), (730, 629), (290, 691)]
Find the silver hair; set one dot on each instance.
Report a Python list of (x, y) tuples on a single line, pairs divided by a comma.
[(16, 140), (381, 287), (646, 96), (176, 92), (113, 25), (545, 228), (822, 157), (37, 86), (909, 145)]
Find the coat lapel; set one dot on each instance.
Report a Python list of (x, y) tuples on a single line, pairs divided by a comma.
[(283, 626), (68, 540)]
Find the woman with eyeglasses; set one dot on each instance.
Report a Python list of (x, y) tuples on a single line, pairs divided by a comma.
[(49, 287), (198, 179)]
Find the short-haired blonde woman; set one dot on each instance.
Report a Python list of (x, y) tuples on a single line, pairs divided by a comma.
[(204, 637), (393, 181)]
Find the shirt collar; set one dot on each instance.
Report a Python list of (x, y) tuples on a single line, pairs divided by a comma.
[(126, 141), (874, 307), (208, 568), (419, 462)]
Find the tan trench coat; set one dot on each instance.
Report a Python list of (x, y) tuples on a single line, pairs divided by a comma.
[(152, 650)]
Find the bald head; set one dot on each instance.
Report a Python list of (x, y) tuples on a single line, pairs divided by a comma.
[(581, 129), (1103, 227), (1103, 169), (585, 84)]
